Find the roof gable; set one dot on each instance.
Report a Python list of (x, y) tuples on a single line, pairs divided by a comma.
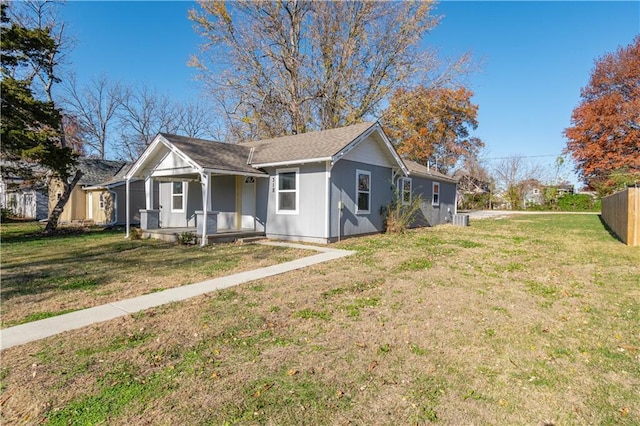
[(214, 155), (311, 146), (192, 155)]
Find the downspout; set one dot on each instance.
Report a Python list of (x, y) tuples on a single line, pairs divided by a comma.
[(455, 201), (329, 166), (128, 224), (637, 215), (115, 207)]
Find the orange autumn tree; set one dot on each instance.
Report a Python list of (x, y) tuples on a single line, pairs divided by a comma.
[(433, 125), (604, 136)]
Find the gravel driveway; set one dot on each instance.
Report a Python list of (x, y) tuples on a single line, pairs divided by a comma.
[(499, 214)]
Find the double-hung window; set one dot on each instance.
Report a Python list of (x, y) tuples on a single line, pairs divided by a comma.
[(405, 190), (435, 201), (363, 191), (101, 201), (288, 198), (177, 196)]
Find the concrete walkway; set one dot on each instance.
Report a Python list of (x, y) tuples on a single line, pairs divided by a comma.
[(37, 330)]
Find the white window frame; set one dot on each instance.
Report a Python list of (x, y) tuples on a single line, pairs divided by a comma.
[(295, 191), (183, 195), (358, 191), (435, 195), (401, 190)]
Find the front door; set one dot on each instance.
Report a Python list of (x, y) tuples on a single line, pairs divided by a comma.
[(248, 210), (90, 205)]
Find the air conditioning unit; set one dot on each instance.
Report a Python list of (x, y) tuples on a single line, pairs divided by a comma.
[(461, 219)]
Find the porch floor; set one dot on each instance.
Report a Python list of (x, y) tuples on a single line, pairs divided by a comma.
[(223, 235)]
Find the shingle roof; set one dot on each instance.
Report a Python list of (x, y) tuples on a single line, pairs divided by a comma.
[(305, 146), (420, 170), (95, 171), (214, 155)]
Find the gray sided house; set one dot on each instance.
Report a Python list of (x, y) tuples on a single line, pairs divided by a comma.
[(314, 187), (438, 192)]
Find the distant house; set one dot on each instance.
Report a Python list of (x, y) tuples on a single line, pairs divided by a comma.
[(315, 187), (99, 197), (533, 192), (536, 193), (25, 198), (565, 188)]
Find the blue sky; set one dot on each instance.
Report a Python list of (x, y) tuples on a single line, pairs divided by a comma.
[(535, 57)]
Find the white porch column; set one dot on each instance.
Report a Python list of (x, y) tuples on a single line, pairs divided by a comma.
[(205, 178), (148, 191), (127, 220)]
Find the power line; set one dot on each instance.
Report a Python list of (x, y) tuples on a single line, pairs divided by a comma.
[(522, 156)]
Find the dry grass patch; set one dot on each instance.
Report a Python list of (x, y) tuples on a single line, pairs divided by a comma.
[(370, 339)]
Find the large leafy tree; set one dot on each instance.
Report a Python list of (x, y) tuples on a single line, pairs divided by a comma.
[(433, 125), (30, 128), (604, 136), (291, 66)]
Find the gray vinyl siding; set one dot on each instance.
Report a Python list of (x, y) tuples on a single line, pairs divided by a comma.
[(169, 219), (434, 215), (194, 202), (42, 205), (137, 201), (343, 188), (262, 201), (223, 200), (309, 224)]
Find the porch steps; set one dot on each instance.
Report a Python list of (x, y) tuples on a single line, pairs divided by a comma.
[(230, 237), (249, 240)]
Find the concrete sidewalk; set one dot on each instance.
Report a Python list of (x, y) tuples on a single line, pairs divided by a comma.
[(37, 330)]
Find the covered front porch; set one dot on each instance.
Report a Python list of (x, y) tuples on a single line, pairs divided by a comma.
[(182, 195)]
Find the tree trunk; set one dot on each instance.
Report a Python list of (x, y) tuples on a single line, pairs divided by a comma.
[(52, 224)]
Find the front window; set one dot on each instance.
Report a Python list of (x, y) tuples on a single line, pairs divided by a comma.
[(101, 201), (363, 190), (177, 196), (287, 184), (436, 194), (405, 190)]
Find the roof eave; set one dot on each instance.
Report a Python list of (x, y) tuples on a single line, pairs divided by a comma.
[(432, 176), (234, 172), (292, 162)]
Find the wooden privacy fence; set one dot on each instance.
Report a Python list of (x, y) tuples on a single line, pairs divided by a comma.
[(621, 213)]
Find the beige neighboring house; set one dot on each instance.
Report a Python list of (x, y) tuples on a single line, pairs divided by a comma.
[(99, 197)]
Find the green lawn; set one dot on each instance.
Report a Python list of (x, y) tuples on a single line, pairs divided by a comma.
[(529, 320), (44, 276)]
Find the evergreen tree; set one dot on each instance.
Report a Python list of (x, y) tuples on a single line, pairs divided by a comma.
[(30, 127)]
